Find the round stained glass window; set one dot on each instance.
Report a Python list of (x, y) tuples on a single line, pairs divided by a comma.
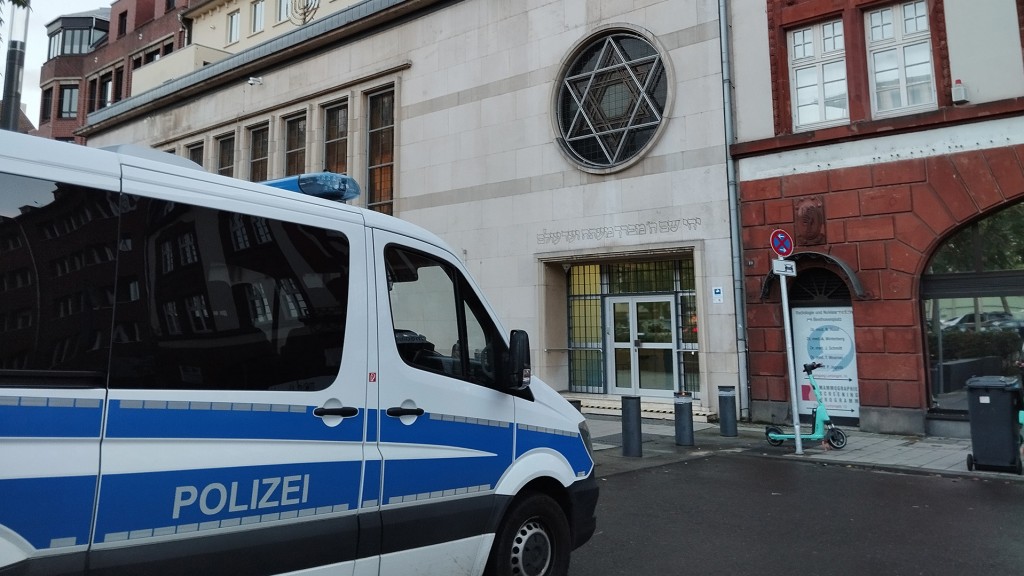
[(611, 100)]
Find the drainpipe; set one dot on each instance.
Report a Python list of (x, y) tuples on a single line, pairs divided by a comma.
[(739, 294)]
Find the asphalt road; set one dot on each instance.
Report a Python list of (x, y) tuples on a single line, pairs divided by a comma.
[(743, 514)]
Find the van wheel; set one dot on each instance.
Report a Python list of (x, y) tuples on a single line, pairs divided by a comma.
[(533, 540)]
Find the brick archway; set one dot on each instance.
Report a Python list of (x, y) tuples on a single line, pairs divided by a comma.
[(885, 221)]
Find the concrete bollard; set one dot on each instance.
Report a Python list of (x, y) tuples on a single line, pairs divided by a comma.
[(632, 439), (727, 410), (684, 419)]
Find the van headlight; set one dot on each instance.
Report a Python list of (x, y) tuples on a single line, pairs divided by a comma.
[(585, 434)]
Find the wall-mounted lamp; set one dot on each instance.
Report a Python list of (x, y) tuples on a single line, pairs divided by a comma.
[(140, 35), (255, 81)]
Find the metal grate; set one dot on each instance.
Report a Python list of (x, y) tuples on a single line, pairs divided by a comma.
[(819, 286), (586, 373), (589, 284)]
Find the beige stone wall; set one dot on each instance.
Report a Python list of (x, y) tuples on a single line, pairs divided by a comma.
[(478, 164), (210, 22)]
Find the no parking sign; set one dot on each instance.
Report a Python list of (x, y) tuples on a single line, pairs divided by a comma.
[(781, 243)]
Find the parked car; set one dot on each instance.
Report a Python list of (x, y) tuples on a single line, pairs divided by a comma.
[(966, 322), (1004, 324)]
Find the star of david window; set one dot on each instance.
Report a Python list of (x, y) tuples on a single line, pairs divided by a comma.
[(611, 100)]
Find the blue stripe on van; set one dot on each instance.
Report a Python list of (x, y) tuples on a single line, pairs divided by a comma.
[(568, 444), (414, 480), (34, 417), (154, 504), (371, 483), (226, 420), (48, 512), (435, 429), (420, 479)]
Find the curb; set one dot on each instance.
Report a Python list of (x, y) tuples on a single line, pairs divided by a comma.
[(661, 450)]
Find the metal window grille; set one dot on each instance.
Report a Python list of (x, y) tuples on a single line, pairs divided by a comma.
[(589, 284)]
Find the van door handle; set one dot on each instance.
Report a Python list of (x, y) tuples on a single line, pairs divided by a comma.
[(344, 411), (399, 411)]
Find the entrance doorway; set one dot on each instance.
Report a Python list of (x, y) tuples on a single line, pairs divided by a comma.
[(641, 336), (665, 324)]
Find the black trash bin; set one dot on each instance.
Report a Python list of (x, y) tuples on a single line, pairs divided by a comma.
[(993, 403)]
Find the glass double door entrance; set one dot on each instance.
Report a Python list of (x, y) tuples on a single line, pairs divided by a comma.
[(641, 339)]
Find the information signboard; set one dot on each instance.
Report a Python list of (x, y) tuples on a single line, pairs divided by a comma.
[(826, 335)]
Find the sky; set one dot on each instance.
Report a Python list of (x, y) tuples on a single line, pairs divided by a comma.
[(43, 12)]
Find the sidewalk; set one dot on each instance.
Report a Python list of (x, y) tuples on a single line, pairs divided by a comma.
[(906, 454)]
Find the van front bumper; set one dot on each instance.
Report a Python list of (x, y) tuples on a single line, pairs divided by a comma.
[(582, 505)]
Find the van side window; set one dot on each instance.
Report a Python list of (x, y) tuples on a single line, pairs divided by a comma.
[(227, 301), (440, 325), (57, 246)]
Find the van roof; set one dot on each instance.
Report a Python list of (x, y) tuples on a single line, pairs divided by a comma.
[(104, 168)]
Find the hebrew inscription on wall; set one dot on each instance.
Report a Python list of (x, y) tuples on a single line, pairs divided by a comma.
[(648, 228)]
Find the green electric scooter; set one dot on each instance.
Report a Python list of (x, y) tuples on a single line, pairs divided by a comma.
[(823, 427)]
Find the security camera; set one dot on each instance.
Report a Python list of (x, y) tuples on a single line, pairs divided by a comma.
[(254, 80)]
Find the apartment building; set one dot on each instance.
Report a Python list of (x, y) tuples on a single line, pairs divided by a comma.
[(93, 56)]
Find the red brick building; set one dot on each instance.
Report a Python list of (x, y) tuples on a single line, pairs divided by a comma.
[(911, 172), (92, 56), (24, 123)]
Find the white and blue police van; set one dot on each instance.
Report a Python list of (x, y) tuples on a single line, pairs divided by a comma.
[(201, 375)]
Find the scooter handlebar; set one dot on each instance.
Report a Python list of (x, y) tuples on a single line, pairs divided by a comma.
[(808, 368)]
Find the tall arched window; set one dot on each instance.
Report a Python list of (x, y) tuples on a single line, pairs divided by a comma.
[(973, 305)]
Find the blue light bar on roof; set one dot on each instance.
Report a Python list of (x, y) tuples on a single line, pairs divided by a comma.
[(327, 185)]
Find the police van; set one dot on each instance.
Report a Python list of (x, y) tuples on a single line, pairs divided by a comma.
[(202, 375)]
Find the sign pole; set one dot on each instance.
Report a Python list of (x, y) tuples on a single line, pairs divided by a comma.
[(782, 244), (794, 398)]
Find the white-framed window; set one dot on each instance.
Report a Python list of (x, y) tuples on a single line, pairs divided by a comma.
[(257, 16), (198, 313), (900, 69), (172, 318), (234, 20), (262, 229), (187, 249), (284, 9), (167, 257), (68, 101), (259, 304), (239, 234), (817, 75), (294, 299)]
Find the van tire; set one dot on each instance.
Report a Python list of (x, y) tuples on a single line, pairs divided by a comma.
[(533, 539)]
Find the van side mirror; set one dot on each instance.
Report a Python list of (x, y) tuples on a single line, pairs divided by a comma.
[(519, 361)]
